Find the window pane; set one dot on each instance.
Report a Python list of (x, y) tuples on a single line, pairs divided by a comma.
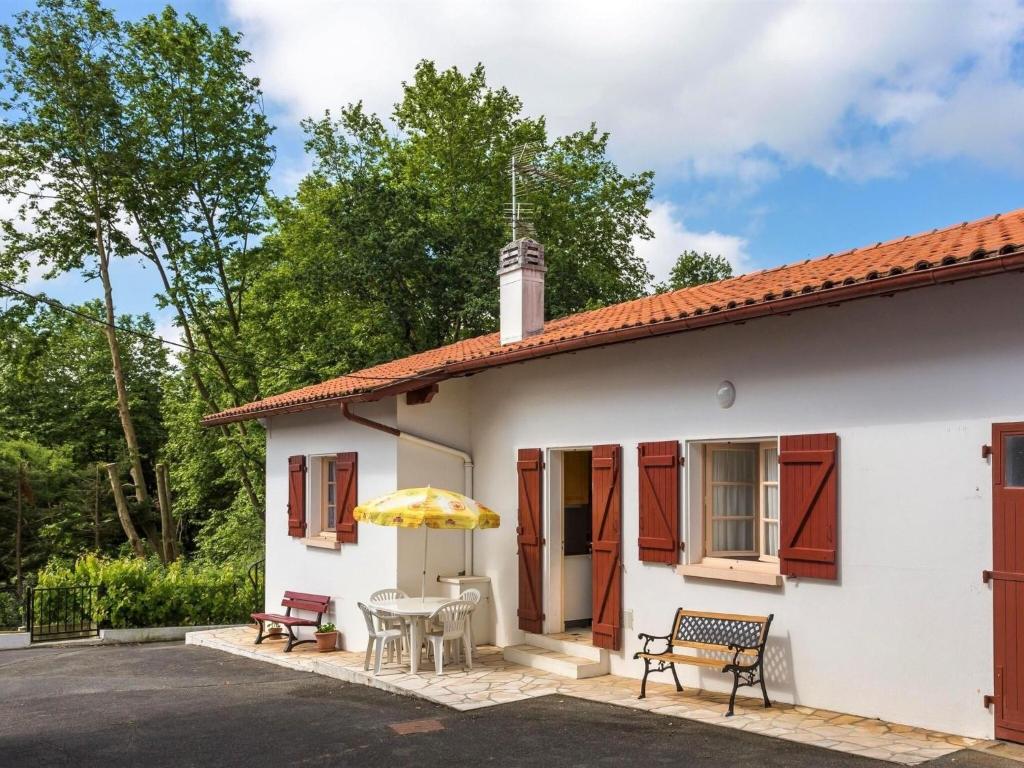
[(1013, 462), (770, 456), (733, 501), (733, 535), (734, 466), (771, 502), (771, 539)]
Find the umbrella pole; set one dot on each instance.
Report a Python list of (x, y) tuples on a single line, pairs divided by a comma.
[(423, 580)]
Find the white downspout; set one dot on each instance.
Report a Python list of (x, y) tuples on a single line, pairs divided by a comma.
[(467, 466)]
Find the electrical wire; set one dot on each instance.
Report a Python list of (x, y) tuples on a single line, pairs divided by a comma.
[(54, 304)]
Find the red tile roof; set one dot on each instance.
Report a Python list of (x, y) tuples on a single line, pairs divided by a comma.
[(988, 246)]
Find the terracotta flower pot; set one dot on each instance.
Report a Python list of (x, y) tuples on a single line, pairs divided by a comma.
[(326, 641)]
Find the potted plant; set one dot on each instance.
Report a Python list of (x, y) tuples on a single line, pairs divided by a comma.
[(326, 638), (274, 630)]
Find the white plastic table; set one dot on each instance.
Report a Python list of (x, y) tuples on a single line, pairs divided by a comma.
[(413, 610)]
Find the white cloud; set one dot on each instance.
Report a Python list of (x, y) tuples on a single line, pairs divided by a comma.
[(718, 89), (671, 237)]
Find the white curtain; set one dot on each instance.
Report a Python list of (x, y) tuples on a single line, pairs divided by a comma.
[(733, 484), (770, 501)]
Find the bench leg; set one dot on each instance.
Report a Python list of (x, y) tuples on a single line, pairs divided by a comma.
[(292, 639), (643, 683), (764, 691), (732, 699), (675, 677), (259, 635)]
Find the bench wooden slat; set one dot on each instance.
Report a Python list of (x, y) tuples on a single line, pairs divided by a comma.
[(727, 616), (712, 647), (697, 661), (280, 618)]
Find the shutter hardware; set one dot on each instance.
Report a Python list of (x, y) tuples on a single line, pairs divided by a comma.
[(986, 451), (988, 700)]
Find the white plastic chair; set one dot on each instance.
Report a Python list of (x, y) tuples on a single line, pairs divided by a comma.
[(448, 624), (389, 620), (471, 596), (379, 638)]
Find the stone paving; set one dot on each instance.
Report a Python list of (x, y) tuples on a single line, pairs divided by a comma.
[(495, 681)]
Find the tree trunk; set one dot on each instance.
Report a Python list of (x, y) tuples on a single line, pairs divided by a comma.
[(17, 531), (96, 510), (123, 409), (163, 493), (122, 512)]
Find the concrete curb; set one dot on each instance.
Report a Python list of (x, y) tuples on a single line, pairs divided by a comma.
[(154, 634), (11, 641)]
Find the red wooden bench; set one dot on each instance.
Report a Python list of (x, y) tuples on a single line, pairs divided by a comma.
[(299, 601)]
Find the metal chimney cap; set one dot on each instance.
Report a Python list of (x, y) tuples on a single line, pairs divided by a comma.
[(523, 253)]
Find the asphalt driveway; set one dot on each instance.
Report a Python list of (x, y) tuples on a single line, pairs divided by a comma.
[(177, 705)]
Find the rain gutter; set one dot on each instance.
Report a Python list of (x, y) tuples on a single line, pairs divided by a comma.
[(467, 464)]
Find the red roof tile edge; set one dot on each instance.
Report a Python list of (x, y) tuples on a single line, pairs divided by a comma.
[(985, 247)]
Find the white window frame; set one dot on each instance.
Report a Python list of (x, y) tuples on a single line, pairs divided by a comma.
[(319, 476), (762, 488), (757, 553)]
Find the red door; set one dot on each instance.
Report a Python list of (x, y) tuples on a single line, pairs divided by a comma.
[(606, 501), (1007, 577), (529, 539)]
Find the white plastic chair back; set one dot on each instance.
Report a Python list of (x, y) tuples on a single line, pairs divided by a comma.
[(451, 618), (387, 594), (470, 596), (369, 614)]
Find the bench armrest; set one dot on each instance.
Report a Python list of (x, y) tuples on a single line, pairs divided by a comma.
[(667, 639)]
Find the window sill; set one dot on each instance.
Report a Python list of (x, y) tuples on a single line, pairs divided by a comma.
[(322, 542), (746, 572)]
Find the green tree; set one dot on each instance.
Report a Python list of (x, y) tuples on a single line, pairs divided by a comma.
[(692, 268), (45, 508), (390, 245), (143, 139), (56, 390)]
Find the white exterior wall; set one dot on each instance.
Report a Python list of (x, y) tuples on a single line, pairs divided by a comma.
[(351, 573), (445, 420), (911, 384)]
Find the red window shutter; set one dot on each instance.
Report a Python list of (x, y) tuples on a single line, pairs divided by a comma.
[(606, 500), (346, 477), (659, 502), (296, 495), (529, 539), (808, 514)]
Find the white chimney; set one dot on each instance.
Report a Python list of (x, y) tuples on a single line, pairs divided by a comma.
[(521, 276)]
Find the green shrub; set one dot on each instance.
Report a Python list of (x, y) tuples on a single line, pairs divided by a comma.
[(145, 593)]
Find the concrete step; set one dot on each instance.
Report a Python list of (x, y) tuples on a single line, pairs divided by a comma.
[(558, 644), (574, 667)]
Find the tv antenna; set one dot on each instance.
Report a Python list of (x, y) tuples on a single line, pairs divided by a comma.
[(527, 176)]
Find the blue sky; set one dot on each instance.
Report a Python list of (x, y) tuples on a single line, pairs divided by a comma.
[(777, 132)]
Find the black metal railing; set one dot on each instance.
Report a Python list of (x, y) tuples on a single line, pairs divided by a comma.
[(61, 613), (12, 609)]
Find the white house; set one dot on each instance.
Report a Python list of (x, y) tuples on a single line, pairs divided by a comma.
[(838, 442)]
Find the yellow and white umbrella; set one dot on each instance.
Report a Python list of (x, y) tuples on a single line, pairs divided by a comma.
[(427, 508)]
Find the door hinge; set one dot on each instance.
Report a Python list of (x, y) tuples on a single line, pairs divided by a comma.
[(682, 461), (986, 577), (682, 546), (986, 451), (988, 700)]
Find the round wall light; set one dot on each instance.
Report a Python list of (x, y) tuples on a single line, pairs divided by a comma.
[(726, 394)]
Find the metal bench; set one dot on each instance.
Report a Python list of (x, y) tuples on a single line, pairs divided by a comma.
[(742, 637), (299, 601)]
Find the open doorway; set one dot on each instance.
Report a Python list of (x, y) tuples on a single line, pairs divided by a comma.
[(569, 603)]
